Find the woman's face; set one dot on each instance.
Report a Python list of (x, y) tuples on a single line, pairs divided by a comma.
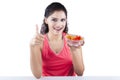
[(56, 22)]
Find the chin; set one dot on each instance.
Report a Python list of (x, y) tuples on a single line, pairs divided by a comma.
[(57, 33)]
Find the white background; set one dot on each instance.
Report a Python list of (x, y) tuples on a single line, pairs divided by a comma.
[(98, 21)]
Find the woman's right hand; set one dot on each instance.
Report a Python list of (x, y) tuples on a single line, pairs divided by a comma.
[(37, 40)]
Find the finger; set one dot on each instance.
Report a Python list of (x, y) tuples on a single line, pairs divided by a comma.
[(37, 29), (40, 35), (82, 42), (35, 41), (36, 37), (39, 38)]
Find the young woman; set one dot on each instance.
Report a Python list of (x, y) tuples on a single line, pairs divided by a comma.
[(51, 54)]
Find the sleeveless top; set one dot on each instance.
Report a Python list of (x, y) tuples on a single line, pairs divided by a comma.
[(56, 64)]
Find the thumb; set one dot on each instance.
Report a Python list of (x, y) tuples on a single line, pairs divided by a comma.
[(37, 29)]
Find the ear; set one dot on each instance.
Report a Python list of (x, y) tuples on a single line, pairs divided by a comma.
[(46, 21)]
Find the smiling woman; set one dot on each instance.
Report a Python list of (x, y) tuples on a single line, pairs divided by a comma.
[(56, 22), (98, 21), (50, 53)]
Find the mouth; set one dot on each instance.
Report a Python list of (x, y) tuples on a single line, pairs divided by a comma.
[(57, 29)]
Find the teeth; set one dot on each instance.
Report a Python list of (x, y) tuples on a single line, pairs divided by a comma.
[(58, 29)]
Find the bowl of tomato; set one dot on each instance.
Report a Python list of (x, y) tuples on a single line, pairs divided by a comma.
[(74, 40)]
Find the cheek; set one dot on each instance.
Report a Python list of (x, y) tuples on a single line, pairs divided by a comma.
[(50, 26), (65, 24), (50, 23)]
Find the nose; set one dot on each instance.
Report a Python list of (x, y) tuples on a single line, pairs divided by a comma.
[(59, 23)]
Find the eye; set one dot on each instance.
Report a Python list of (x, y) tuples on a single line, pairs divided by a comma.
[(63, 20), (54, 19)]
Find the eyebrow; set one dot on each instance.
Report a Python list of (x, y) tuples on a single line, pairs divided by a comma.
[(57, 18)]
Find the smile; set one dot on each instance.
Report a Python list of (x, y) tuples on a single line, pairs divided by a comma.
[(57, 29)]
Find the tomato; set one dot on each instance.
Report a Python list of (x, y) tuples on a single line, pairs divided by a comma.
[(74, 37)]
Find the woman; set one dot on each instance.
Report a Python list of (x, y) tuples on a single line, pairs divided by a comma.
[(51, 54)]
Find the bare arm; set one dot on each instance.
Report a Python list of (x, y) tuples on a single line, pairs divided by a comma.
[(35, 54), (77, 59), (36, 61)]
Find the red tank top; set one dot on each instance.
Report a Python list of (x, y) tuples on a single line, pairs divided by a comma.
[(59, 64)]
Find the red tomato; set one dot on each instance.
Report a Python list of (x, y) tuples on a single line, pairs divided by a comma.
[(74, 37)]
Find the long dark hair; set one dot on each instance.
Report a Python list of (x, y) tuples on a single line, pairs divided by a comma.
[(55, 6)]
